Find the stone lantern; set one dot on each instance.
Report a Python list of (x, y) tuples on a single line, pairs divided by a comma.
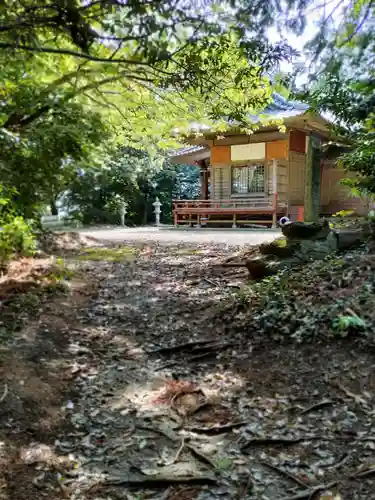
[(123, 208), (157, 211)]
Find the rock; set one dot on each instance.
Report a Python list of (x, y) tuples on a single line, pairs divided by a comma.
[(261, 268), (279, 248), (350, 238), (302, 230), (317, 249), (304, 243)]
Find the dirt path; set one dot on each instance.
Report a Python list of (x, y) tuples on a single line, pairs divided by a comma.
[(136, 390)]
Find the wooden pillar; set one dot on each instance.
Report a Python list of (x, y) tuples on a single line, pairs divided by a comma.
[(204, 179), (274, 192), (206, 175), (312, 179), (234, 224)]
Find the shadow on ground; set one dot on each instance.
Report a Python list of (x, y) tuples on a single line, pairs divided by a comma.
[(132, 388)]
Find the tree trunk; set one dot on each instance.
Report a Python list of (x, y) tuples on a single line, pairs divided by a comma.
[(312, 180), (53, 206), (145, 213)]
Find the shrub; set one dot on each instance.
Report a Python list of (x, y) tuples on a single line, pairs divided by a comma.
[(16, 235)]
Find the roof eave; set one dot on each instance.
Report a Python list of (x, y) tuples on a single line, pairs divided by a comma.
[(313, 123), (190, 158), (305, 121)]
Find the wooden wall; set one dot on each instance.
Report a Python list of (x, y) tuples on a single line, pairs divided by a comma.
[(297, 141), (221, 182), (220, 155), (225, 155), (291, 157), (277, 149), (335, 196), (282, 180), (296, 167), (222, 159), (296, 188)]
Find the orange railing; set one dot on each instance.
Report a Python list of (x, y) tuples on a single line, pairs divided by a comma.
[(234, 203), (201, 209)]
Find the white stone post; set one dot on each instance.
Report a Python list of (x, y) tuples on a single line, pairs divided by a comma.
[(122, 211), (157, 211)]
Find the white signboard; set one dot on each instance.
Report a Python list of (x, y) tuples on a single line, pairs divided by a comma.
[(243, 152)]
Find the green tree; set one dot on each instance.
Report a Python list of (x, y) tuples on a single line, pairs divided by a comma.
[(135, 177), (188, 183), (351, 103), (41, 162), (345, 86), (338, 24), (76, 74), (166, 61), (187, 59), (140, 69)]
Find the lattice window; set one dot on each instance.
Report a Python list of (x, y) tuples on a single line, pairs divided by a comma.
[(248, 179)]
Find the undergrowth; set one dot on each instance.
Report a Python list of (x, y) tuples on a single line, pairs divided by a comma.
[(28, 284), (324, 299), (122, 254), (16, 234)]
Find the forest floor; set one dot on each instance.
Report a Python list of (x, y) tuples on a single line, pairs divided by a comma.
[(147, 374)]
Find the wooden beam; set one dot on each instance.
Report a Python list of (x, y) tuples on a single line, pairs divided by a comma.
[(312, 179), (274, 191), (204, 179), (265, 135), (250, 139)]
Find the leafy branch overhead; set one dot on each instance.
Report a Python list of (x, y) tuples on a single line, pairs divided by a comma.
[(80, 78), (175, 52), (200, 59)]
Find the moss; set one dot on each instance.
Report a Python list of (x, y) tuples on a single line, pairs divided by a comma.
[(278, 247), (123, 254), (224, 463), (188, 251), (280, 242)]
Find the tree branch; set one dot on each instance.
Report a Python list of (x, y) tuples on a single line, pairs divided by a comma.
[(17, 121), (96, 2), (47, 21), (359, 25), (67, 52), (110, 104), (66, 78), (164, 97)]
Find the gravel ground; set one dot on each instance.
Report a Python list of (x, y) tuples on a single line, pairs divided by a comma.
[(168, 236)]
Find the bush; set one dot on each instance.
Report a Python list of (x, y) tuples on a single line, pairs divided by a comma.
[(16, 235)]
